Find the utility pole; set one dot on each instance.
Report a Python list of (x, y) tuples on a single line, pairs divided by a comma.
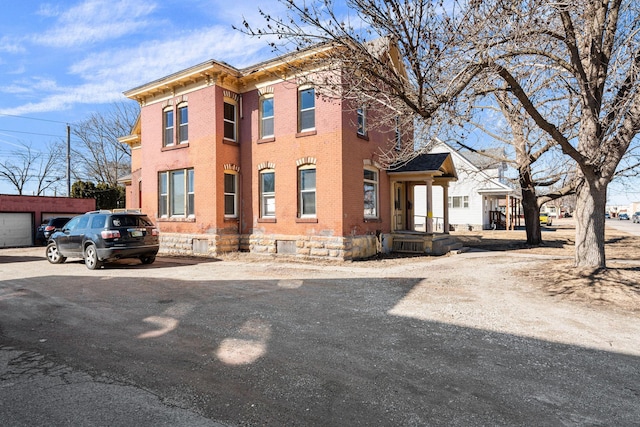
[(68, 161)]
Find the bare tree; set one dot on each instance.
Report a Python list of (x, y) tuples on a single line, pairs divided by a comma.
[(100, 157), (588, 51), (544, 174), (26, 165)]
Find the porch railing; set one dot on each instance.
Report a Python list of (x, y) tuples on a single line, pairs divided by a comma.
[(420, 223)]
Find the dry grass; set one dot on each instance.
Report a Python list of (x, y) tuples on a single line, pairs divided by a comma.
[(618, 285)]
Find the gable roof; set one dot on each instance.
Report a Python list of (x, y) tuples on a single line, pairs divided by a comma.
[(430, 164), (493, 185)]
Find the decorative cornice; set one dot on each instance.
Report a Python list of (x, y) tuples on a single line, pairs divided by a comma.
[(306, 161), (231, 167)]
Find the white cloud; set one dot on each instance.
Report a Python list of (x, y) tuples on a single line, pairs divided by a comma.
[(94, 21), (155, 59), (10, 45)]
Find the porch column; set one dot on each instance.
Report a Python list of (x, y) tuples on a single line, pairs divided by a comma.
[(429, 219), (445, 204)]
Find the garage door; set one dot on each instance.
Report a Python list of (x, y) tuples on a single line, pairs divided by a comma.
[(16, 229)]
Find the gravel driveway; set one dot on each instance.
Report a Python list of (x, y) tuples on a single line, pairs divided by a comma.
[(456, 340)]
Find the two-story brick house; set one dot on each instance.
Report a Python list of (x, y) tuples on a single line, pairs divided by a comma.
[(257, 159)]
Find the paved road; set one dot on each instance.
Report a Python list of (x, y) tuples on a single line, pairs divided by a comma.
[(623, 225), (157, 345)]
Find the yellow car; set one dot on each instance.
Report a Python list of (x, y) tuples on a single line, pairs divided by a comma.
[(545, 219)]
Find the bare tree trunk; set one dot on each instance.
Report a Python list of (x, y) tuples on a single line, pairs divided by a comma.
[(531, 216), (591, 202)]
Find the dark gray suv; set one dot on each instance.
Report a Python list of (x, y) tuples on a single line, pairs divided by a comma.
[(104, 236)]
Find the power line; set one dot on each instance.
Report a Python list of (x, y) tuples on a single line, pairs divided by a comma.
[(33, 118), (32, 133)]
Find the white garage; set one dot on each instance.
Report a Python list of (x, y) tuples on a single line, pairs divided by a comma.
[(16, 229)]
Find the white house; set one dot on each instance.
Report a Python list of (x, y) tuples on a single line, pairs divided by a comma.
[(479, 199)]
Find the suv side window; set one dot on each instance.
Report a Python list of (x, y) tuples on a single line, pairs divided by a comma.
[(98, 221), (71, 225), (83, 222)]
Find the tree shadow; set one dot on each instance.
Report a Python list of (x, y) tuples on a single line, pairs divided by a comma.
[(313, 352)]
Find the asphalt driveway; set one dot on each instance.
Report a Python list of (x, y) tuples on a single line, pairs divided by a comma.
[(199, 342)]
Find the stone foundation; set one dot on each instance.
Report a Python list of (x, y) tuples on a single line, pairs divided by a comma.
[(207, 245), (324, 247)]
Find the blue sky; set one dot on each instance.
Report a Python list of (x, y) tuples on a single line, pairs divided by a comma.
[(62, 60)]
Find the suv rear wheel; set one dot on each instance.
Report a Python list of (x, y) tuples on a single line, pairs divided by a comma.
[(53, 256), (147, 259), (91, 257)]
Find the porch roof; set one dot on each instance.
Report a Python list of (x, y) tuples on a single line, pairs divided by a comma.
[(427, 164)]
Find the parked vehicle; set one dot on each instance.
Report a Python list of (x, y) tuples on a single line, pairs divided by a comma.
[(545, 219), (104, 236), (607, 215), (48, 227), (623, 216), (636, 217)]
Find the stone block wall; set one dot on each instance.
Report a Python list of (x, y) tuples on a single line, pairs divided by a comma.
[(322, 247)]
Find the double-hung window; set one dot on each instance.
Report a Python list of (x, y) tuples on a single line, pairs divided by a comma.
[(191, 194), (267, 193), (183, 124), (307, 192), (168, 126), (362, 121), (163, 194), (230, 195), (266, 117), (176, 195), (306, 110), (230, 121), (398, 135), (370, 193), (458, 201)]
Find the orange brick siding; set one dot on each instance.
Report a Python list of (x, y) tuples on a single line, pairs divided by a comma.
[(338, 153)]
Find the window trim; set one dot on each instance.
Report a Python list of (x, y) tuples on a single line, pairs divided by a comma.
[(264, 118), (301, 191), (376, 193), (234, 194), (301, 110), (463, 202), (165, 199), (361, 112), (234, 122), (398, 135), (183, 126), (168, 130), (264, 195)]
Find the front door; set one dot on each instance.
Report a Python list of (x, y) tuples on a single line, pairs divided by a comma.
[(399, 206)]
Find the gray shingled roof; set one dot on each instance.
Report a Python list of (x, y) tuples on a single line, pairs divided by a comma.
[(421, 163)]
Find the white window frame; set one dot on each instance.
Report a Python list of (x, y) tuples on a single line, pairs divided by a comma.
[(304, 191), (375, 184), (267, 198), (183, 128), (362, 120), (458, 202), (264, 119), (167, 206), (168, 134), (302, 110), (163, 194), (398, 135)]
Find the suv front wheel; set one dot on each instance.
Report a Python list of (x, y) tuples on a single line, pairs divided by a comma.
[(53, 256), (91, 257)]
